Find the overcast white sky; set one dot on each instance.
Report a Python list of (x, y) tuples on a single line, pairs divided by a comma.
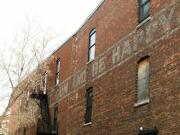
[(61, 17)]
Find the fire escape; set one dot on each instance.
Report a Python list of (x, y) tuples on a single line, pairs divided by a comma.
[(43, 125)]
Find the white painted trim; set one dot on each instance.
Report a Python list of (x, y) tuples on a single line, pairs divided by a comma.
[(143, 22), (90, 61), (143, 102), (87, 124)]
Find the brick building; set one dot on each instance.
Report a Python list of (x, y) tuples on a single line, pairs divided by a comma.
[(118, 74), (4, 122)]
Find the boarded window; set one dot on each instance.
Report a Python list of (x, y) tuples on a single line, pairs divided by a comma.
[(143, 80)]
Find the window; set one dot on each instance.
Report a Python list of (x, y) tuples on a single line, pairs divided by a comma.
[(25, 131), (57, 71), (143, 81), (89, 96), (144, 9), (55, 125), (92, 43), (19, 131), (45, 83)]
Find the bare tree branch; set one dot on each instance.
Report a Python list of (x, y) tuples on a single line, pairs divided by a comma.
[(6, 68), (28, 53)]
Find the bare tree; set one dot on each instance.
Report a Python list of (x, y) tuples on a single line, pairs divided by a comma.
[(24, 69)]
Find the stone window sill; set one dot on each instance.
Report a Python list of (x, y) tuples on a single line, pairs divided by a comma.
[(140, 103), (87, 124), (143, 22)]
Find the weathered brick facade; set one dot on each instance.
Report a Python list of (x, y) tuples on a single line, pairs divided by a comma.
[(120, 43)]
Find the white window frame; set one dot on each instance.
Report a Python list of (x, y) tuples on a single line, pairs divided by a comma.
[(58, 63), (92, 45)]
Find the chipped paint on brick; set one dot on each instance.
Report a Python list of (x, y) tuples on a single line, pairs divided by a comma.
[(79, 79), (127, 47), (98, 66)]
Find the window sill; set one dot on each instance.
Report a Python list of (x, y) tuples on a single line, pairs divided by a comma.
[(143, 22), (90, 61), (87, 124), (57, 85), (142, 103)]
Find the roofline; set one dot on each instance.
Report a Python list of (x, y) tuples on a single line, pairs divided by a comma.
[(86, 20), (63, 43)]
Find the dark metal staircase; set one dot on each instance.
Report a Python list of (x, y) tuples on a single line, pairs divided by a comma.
[(43, 125)]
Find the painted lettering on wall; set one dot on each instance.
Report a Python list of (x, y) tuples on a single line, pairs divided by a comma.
[(165, 20), (98, 66), (122, 51), (79, 79), (64, 89), (138, 39)]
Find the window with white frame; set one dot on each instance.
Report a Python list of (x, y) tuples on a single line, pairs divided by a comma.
[(144, 9), (92, 44), (57, 71), (45, 83)]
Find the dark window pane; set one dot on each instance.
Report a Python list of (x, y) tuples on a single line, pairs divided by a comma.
[(25, 131), (144, 9), (55, 126), (143, 1), (88, 115), (89, 101), (89, 105)]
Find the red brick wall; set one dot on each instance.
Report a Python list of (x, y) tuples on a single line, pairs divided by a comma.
[(114, 83), (120, 44)]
